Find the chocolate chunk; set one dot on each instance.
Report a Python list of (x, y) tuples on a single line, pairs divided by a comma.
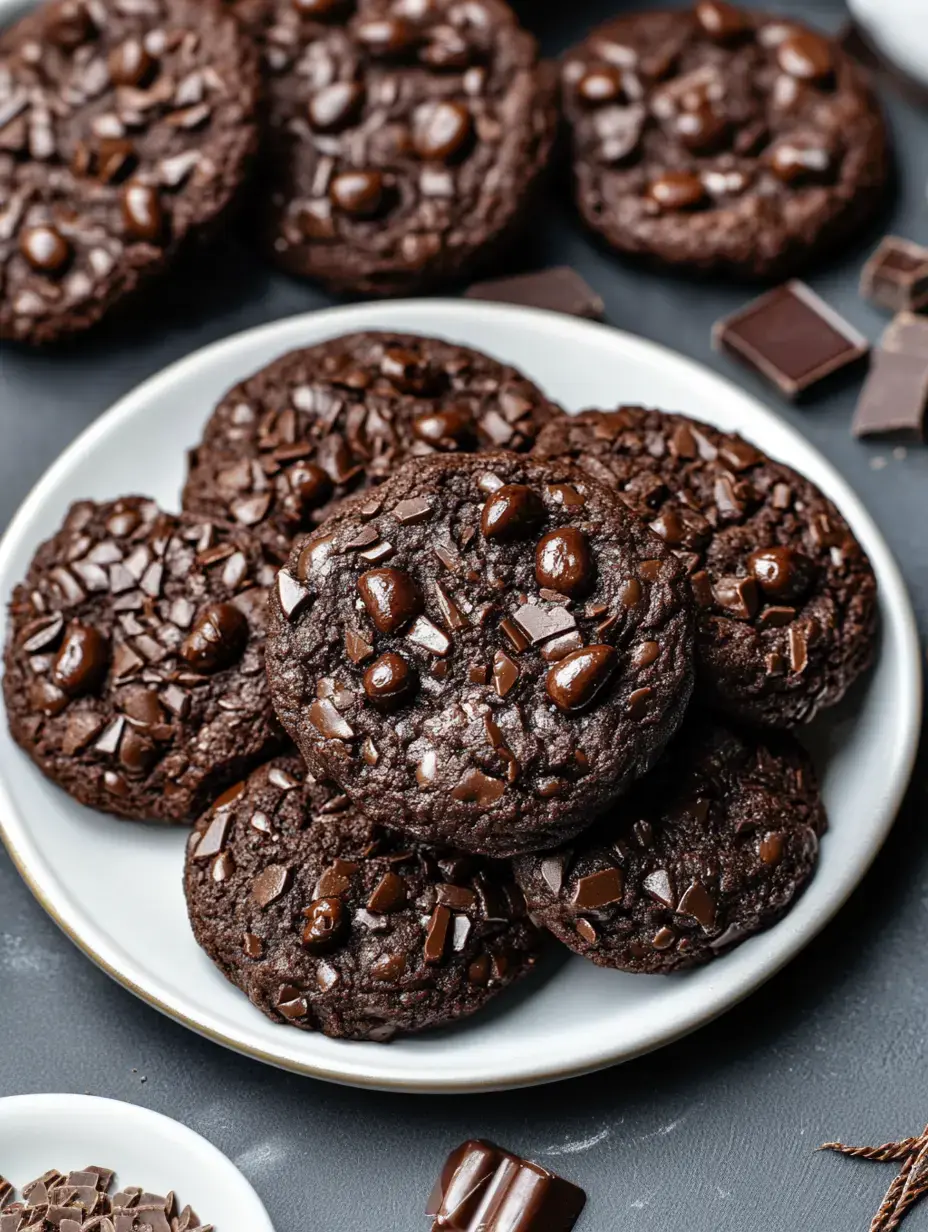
[(894, 398), (792, 338), (391, 597), (483, 1186), (389, 681), (907, 334), (559, 289), (896, 275), (511, 512), (578, 679), (563, 562), (598, 890)]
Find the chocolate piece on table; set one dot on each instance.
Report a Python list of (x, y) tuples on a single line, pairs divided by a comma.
[(907, 334), (483, 1188), (894, 397), (559, 289), (896, 276), (791, 337)]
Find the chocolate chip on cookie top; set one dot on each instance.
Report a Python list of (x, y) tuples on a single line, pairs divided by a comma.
[(722, 139), (405, 137), (330, 923), (712, 847), (286, 445), (482, 651), (785, 595), (135, 660), (125, 127)]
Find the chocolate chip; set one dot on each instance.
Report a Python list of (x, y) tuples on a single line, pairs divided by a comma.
[(359, 193), (46, 249), (391, 597), (677, 190), (386, 37), (389, 681), (586, 930), (442, 131), (603, 84), (327, 923), (448, 428), (511, 512), (563, 562), (82, 661), (505, 673), (388, 895), (335, 106), (293, 597), (213, 839), (660, 887), (782, 572), (793, 160), (270, 884), (475, 787), (698, 903), (131, 64), (722, 22), (217, 639), (436, 937), (328, 722), (806, 56), (541, 623), (576, 681), (143, 216), (412, 512), (598, 890), (739, 597), (429, 637)]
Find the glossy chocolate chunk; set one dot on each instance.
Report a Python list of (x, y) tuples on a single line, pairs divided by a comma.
[(896, 276), (483, 1188), (559, 289)]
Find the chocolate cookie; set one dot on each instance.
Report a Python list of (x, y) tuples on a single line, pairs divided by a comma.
[(785, 595), (329, 922), (135, 660), (285, 446), (483, 652), (126, 127), (405, 139), (712, 847), (722, 140)]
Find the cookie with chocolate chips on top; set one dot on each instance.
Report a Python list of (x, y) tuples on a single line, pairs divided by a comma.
[(406, 138), (126, 128), (482, 652), (135, 660), (330, 923), (718, 139), (713, 846), (785, 595), (283, 447)]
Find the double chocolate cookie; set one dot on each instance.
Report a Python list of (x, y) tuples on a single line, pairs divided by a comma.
[(126, 127), (786, 598), (483, 651), (332, 924), (285, 446), (722, 140), (405, 138), (712, 847), (135, 660)]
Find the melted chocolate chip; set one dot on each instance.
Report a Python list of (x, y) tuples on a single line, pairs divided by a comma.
[(391, 597), (564, 562), (389, 681), (577, 680), (326, 924), (81, 663), (511, 512), (217, 639)]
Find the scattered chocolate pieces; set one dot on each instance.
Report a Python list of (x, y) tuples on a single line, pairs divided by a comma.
[(894, 398), (483, 1188), (896, 276), (791, 337), (910, 1183), (559, 289), (68, 1202)]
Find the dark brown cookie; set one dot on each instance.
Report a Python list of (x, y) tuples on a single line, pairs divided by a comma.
[(135, 660), (285, 446), (712, 847), (785, 595), (483, 652), (126, 127), (332, 924), (719, 139), (405, 138)]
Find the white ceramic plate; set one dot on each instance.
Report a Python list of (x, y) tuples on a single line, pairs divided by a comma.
[(68, 1132), (535, 1034)]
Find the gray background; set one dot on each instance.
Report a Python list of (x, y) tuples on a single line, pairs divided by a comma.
[(715, 1133)]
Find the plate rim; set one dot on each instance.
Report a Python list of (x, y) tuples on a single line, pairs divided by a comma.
[(141, 1117), (443, 313)]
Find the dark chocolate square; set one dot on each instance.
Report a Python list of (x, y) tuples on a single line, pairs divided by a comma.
[(559, 289), (791, 337), (894, 398)]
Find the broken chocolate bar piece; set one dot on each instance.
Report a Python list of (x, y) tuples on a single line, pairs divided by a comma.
[(791, 337), (907, 334), (483, 1188), (896, 276), (894, 398), (560, 289)]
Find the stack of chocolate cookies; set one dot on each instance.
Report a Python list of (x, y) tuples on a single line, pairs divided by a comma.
[(393, 146), (434, 669)]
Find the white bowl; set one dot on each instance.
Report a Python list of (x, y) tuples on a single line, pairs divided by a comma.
[(580, 1017), (69, 1132)]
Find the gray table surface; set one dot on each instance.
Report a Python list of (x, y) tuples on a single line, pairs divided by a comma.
[(714, 1134)]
